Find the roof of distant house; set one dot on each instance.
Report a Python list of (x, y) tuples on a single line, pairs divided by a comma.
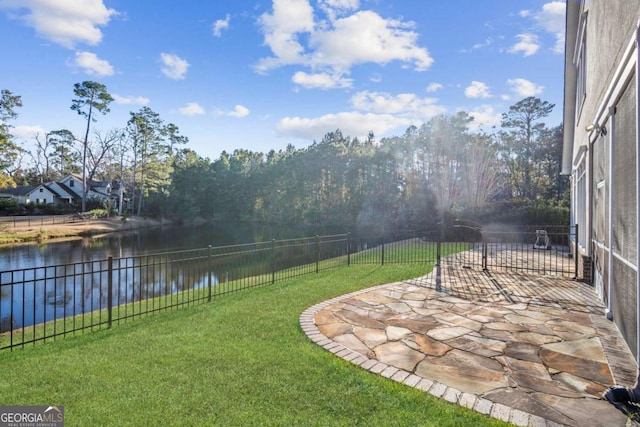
[(21, 190)]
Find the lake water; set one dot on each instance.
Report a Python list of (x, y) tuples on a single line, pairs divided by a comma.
[(31, 294), (147, 241)]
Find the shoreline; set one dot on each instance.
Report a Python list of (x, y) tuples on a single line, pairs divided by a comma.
[(41, 233)]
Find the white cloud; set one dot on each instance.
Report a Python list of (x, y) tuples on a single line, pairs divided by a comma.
[(64, 22), (379, 112), (367, 37), (24, 132), (320, 81), (239, 111), (341, 4), (334, 46), (524, 88), (335, 8), (477, 90), (407, 105), (174, 66), (434, 87), (488, 42), (92, 65), (484, 116), (191, 109), (130, 100), (219, 25), (354, 124), (552, 19), (481, 45), (281, 29), (524, 13), (528, 44)]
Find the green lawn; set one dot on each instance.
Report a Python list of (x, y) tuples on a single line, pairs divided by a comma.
[(241, 360)]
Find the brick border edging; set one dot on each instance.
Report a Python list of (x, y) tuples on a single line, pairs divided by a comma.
[(434, 388)]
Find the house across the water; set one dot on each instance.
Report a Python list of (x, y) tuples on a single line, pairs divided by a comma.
[(65, 192)]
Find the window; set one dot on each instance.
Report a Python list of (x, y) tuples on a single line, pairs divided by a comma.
[(600, 212), (581, 203), (580, 61), (71, 183), (42, 190)]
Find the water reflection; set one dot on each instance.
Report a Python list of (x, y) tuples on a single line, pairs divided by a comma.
[(39, 283), (146, 241), (41, 294)]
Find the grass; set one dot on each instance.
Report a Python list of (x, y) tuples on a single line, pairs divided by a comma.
[(240, 360)]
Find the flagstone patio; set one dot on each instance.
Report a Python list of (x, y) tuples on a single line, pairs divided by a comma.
[(529, 350)]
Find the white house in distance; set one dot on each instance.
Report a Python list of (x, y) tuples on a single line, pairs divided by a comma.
[(601, 147), (66, 191)]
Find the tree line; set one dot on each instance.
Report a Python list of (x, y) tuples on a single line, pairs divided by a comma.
[(399, 182)]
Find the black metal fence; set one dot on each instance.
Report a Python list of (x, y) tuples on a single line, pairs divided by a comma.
[(43, 303), (39, 220), (48, 302), (532, 249)]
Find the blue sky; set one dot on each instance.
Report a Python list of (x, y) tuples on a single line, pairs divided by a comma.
[(262, 74)]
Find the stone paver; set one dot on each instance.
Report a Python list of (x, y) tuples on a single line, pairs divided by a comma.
[(514, 355)]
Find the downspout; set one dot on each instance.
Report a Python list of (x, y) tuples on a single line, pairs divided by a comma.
[(637, 195), (569, 107), (612, 138), (572, 11), (588, 230)]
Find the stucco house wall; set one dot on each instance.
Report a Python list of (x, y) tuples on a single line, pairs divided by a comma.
[(600, 151)]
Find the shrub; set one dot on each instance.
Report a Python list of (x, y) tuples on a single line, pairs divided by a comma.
[(48, 209), (519, 212), (8, 206), (97, 213), (94, 203)]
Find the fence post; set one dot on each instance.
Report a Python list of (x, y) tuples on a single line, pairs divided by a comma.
[(439, 258), (575, 256), (273, 261), (317, 253), (382, 253), (484, 255), (209, 280), (110, 291), (348, 249)]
